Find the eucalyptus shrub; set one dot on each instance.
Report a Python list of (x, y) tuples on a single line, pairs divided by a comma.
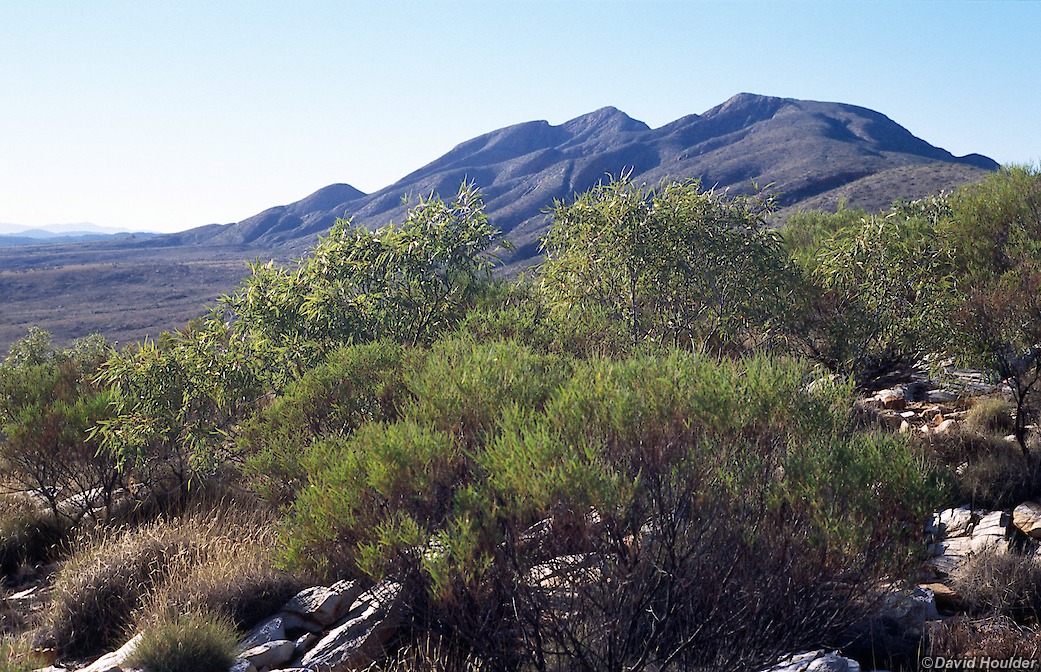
[(50, 401), (676, 264)]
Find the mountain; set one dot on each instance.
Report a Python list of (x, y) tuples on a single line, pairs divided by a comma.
[(811, 154), (799, 150)]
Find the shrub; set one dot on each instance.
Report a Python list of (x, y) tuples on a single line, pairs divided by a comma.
[(463, 387), (28, 535), (996, 637), (49, 404), (407, 283), (882, 294), (186, 642), (687, 483), (175, 402), (986, 470), (355, 385), (994, 234), (675, 265)]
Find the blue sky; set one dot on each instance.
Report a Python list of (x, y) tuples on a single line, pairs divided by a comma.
[(154, 115)]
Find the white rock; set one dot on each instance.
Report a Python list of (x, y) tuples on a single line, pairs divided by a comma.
[(316, 608), (372, 620), (954, 522), (991, 533), (112, 662), (269, 631), (910, 608), (1027, 517), (815, 661), (270, 655)]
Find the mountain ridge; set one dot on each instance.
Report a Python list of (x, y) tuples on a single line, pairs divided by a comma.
[(808, 154), (801, 149)]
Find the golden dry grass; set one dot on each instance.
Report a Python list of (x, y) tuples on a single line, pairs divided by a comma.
[(220, 560)]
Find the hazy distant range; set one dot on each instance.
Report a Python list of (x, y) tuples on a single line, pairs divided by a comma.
[(813, 154)]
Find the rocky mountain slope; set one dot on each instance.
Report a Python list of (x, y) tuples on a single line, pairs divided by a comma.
[(801, 149), (808, 154)]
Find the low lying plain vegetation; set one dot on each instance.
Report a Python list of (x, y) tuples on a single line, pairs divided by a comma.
[(667, 402)]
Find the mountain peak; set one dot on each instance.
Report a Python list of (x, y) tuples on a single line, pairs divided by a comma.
[(605, 119)]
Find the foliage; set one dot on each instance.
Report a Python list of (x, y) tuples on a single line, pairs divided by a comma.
[(355, 385), (805, 233), (884, 289), (675, 265), (175, 400), (995, 233), (608, 454), (404, 282), (49, 402), (188, 642)]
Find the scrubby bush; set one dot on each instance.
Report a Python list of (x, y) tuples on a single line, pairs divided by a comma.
[(175, 401), (407, 282), (878, 296), (355, 385), (49, 404), (990, 415), (996, 637), (186, 642), (676, 265), (1005, 584), (994, 234), (665, 470), (28, 535)]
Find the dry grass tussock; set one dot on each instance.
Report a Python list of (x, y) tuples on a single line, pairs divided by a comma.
[(1001, 583), (219, 560), (995, 637)]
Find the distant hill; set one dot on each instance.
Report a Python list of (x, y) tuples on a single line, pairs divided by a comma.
[(804, 150), (811, 154)]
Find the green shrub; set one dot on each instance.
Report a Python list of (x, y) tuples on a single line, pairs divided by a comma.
[(462, 386), (186, 642), (880, 294), (676, 265), (407, 283), (355, 385), (672, 469), (49, 405)]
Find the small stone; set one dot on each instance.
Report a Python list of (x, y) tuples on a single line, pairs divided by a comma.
[(319, 607), (1027, 518), (946, 597), (271, 654), (270, 630), (305, 643), (243, 666)]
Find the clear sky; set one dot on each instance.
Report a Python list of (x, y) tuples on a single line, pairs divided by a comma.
[(155, 115)]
